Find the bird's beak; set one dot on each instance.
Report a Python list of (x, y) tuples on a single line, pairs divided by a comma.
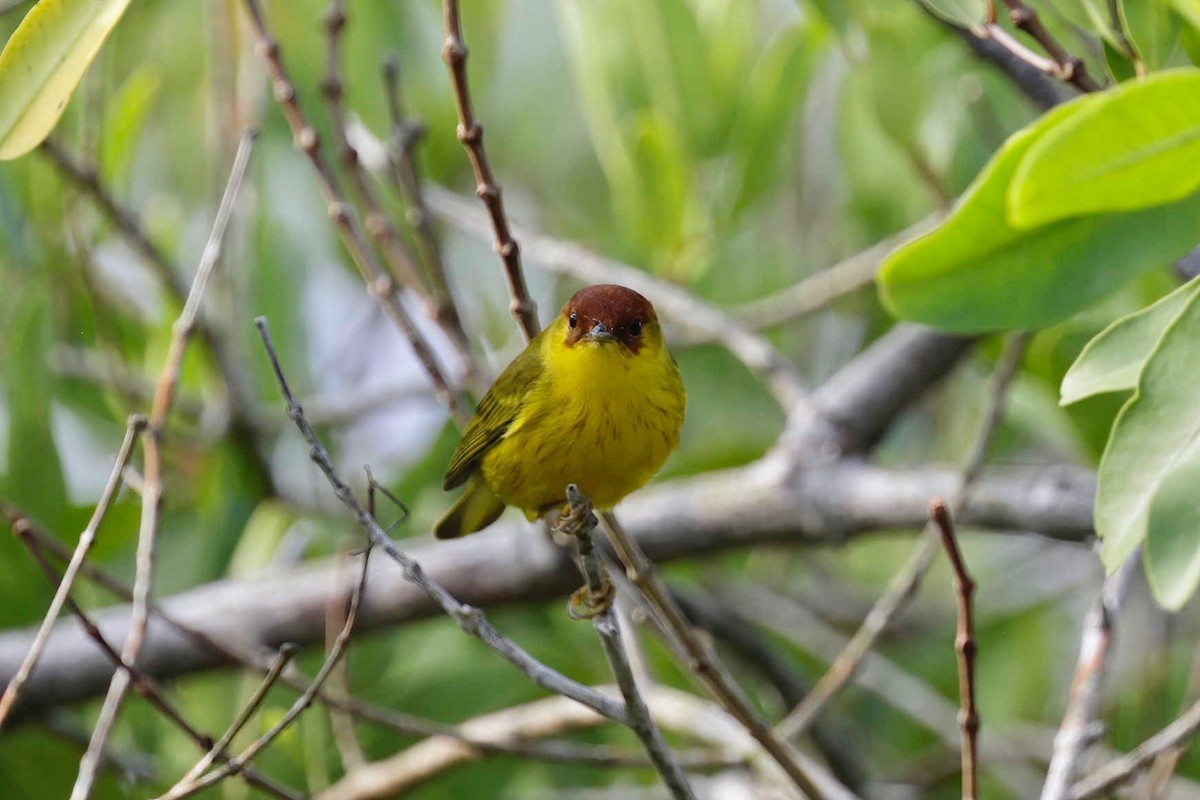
[(600, 333)]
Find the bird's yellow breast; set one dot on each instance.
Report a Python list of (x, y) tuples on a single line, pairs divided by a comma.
[(600, 416)]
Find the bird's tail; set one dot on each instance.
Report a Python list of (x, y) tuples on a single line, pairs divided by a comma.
[(475, 510)]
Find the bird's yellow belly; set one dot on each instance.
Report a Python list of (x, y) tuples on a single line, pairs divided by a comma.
[(608, 439)]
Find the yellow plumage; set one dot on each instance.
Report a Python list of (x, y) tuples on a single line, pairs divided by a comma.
[(602, 411)]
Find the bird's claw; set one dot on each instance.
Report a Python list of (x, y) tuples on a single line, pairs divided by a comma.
[(586, 604)]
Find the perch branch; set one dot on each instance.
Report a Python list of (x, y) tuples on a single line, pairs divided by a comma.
[(579, 521), (1067, 67)]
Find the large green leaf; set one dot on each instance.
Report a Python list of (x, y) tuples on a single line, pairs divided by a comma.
[(42, 64), (1172, 554), (1153, 433), (1112, 361), (1136, 147)]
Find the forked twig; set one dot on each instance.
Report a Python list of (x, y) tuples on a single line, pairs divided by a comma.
[(470, 133), (239, 762), (1067, 67), (152, 474), (1076, 732), (142, 683), (966, 647), (905, 583), (579, 522), (379, 283), (469, 619), (703, 659), (133, 429)]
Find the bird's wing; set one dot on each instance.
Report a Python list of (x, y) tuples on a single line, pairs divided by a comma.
[(497, 411)]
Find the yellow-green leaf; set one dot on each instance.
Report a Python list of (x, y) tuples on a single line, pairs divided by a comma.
[(42, 64)]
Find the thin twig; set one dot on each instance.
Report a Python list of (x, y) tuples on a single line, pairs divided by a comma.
[(241, 396), (402, 145), (906, 582), (239, 762), (395, 252), (579, 521), (341, 722), (281, 660), (133, 429), (1102, 781), (470, 133), (471, 620), (671, 301), (966, 647), (1077, 730), (379, 283), (152, 477), (1067, 67), (142, 683), (703, 659)]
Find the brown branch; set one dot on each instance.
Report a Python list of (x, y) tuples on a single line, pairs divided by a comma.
[(133, 430), (966, 647), (905, 583), (469, 619), (703, 660), (470, 133), (239, 762), (401, 148), (152, 476), (241, 395), (400, 260), (1067, 67), (579, 521), (1083, 703), (142, 683), (379, 283)]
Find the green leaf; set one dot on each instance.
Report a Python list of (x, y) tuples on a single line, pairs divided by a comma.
[(1153, 433), (1112, 361), (1136, 147), (960, 13), (42, 64), (125, 117), (976, 273), (1172, 554)]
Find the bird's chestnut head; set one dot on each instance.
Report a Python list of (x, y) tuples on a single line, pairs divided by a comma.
[(609, 314)]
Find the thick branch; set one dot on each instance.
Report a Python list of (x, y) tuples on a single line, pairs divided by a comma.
[(509, 564)]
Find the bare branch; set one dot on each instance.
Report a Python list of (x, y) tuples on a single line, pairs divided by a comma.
[(579, 521), (470, 133), (133, 430), (966, 646), (703, 659), (142, 683), (379, 283), (1067, 67), (152, 477), (1083, 703)]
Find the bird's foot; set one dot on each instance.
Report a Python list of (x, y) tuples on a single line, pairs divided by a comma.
[(588, 604)]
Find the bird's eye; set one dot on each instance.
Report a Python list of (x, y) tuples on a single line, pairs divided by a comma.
[(635, 327), (572, 320)]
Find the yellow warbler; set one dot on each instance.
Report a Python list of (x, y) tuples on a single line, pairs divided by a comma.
[(595, 400)]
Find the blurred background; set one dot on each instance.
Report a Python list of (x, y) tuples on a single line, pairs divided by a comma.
[(732, 147)]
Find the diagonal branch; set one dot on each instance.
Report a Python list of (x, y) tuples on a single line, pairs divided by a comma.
[(152, 476)]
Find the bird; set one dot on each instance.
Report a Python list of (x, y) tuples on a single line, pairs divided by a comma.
[(595, 399)]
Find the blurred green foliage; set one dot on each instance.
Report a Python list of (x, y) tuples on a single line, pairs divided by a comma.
[(734, 147)]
